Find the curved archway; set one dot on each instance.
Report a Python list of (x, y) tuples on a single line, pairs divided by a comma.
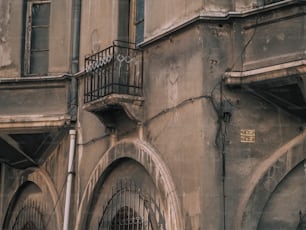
[(34, 189), (264, 181), (146, 156), (285, 207)]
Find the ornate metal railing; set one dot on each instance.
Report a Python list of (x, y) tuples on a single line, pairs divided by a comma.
[(117, 69)]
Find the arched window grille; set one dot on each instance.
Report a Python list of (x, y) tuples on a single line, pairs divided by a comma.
[(29, 217), (131, 209)]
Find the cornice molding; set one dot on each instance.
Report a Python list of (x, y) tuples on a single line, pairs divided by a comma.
[(217, 17)]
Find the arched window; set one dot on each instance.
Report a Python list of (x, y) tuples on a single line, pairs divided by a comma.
[(131, 209)]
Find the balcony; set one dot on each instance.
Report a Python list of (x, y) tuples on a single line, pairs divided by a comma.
[(35, 113), (113, 83)]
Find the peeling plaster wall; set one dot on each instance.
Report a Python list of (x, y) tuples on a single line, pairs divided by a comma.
[(60, 37), (173, 74), (10, 45), (5, 59), (98, 27), (160, 17)]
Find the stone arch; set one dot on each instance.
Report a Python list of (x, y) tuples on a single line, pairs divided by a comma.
[(145, 155), (41, 180), (265, 179)]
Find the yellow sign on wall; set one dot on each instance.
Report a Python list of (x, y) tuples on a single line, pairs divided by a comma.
[(247, 135)]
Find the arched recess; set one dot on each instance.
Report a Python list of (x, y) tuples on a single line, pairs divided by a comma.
[(285, 208), (265, 179), (146, 156), (36, 184)]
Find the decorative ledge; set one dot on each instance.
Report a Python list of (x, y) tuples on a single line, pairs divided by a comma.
[(33, 122), (283, 85), (295, 68)]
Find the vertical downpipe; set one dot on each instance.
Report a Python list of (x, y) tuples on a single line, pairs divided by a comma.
[(75, 49), (72, 134)]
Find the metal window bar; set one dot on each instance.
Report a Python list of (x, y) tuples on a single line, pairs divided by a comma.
[(115, 70), (126, 209), (29, 217)]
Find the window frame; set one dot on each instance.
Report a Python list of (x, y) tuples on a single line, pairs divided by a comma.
[(28, 37), (139, 22)]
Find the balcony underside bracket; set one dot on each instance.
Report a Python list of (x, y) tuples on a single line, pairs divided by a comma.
[(116, 111)]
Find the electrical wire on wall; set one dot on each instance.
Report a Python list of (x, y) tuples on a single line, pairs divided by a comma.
[(224, 110)]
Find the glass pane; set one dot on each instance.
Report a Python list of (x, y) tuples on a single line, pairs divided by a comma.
[(40, 14), (123, 25), (139, 10), (40, 38), (39, 62), (139, 32)]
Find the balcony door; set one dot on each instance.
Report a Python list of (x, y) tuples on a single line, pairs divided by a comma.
[(131, 21)]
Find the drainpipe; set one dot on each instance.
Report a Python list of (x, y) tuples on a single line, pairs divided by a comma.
[(75, 49), (76, 21), (72, 134)]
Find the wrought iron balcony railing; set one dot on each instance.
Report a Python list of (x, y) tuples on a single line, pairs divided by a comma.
[(117, 69)]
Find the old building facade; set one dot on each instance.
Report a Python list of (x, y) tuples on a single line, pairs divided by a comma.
[(139, 114)]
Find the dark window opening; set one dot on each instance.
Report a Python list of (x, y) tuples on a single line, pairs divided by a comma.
[(131, 21), (139, 22), (124, 21)]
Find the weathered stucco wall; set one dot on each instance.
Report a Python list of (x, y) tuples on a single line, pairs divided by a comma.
[(160, 17), (185, 150), (10, 38), (180, 75), (98, 27), (273, 129), (273, 40), (60, 37)]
